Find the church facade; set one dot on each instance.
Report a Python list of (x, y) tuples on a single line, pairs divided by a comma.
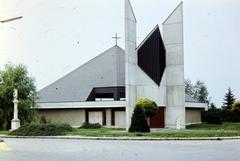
[(105, 89)]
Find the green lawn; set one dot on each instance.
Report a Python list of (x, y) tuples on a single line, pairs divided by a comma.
[(183, 133), (224, 126), (194, 132), (4, 132), (199, 130)]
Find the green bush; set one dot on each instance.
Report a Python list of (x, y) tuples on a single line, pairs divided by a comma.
[(42, 130), (225, 115), (139, 121), (231, 116), (213, 117), (149, 106), (43, 120), (87, 125), (236, 106)]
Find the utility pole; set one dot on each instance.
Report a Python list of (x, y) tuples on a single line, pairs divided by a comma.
[(15, 123), (11, 19)]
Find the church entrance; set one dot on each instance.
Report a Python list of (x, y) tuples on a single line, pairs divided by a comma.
[(157, 121)]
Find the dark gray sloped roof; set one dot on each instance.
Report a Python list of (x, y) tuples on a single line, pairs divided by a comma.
[(105, 70), (189, 98)]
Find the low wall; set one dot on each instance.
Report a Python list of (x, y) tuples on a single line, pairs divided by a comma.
[(73, 117), (76, 117)]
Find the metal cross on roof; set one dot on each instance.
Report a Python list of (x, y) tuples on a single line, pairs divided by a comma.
[(116, 37)]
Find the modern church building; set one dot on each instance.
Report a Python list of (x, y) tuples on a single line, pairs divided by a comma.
[(105, 89)]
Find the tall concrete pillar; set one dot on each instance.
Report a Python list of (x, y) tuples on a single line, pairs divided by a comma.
[(173, 40), (130, 60)]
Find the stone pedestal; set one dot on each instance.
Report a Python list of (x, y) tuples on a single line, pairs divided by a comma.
[(15, 124)]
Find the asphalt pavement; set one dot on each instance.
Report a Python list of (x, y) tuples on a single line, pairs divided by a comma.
[(117, 150)]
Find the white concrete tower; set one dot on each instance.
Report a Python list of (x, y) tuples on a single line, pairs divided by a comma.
[(173, 40), (130, 60)]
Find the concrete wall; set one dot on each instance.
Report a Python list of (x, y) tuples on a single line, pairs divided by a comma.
[(193, 115), (147, 88), (73, 117), (95, 117), (173, 41), (120, 117), (130, 60), (76, 117), (108, 118)]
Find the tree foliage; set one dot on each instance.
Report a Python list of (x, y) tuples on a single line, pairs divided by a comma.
[(139, 121), (212, 107), (229, 99), (201, 92), (16, 76), (236, 106), (189, 89), (149, 106), (213, 117), (198, 90)]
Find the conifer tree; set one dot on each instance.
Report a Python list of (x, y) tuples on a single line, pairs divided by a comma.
[(229, 99), (139, 121)]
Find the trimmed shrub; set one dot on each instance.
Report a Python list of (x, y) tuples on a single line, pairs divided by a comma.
[(225, 115), (205, 114), (87, 125), (139, 121), (231, 116), (213, 117), (149, 106), (42, 130)]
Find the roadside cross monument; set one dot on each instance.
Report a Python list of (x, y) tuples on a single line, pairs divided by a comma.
[(15, 123)]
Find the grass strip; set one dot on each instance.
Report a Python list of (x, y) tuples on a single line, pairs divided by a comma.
[(182, 133), (206, 126)]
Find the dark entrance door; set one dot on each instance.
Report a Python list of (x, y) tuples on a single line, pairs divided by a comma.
[(157, 121)]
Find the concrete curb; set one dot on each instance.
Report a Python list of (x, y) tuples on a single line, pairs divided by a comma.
[(123, 138)]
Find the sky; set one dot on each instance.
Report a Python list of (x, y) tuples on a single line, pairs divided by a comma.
[(55, 37)]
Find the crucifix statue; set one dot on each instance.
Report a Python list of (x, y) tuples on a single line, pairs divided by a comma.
[(116, 38), (15, 123), (15, 94)]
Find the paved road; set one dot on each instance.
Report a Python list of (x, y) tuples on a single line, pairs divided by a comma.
[(84, 150)]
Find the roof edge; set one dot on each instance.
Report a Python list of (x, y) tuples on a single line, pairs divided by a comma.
[(146, 38), (181, 3), (81, 66), (128, 1)]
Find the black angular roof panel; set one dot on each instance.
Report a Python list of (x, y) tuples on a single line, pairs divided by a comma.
[(152, 56)]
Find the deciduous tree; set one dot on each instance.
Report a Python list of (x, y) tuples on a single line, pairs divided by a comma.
[(16, 76), (198, 90)]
